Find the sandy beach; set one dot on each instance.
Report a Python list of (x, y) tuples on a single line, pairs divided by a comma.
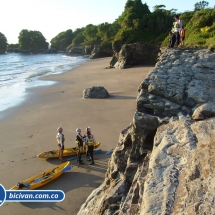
[(30, 128)]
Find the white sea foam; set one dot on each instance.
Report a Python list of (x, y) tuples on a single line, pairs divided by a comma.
[(21, 71)]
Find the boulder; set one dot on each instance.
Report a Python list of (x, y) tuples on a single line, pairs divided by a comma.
[(204, 111), (97, 92)]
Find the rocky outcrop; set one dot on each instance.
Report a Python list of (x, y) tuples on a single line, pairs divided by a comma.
[(134, 54), (164, 161), (100, 51), (97, 92), (76, 50), (88, 49)]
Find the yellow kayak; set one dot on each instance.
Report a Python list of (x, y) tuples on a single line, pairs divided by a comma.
[(43, 178), (66, 152)]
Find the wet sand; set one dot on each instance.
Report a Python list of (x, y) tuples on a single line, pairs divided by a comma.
[(30, 128)]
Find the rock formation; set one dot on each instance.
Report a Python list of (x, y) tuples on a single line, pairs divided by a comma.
[(164, 162), (97, 92), (133, 54), (76, 50), (100, 51)]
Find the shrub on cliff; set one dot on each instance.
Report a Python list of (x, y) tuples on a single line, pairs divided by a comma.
[(3, 43), (200, 29), (138, 24)]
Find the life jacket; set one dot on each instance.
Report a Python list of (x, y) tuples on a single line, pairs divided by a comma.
[(78, 142), (58, 138), (90, 141), (176, 25), (182, 33)]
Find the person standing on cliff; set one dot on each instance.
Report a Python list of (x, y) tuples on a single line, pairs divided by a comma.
[(177, 25), (60, 140), (182, 35), (90, 142), (79, 142), (171, 40)]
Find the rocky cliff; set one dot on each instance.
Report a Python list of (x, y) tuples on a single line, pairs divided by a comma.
[(164, 162)]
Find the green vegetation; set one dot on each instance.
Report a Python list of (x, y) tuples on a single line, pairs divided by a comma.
[(137, 24), (62, 40), (13, 46), (201, 5), (3, 43), (200, 30), (32, 41)]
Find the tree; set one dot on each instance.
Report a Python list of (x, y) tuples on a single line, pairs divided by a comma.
[(3, 43), (159, 7), (106, 32), (62, 40), (200, 5), (32, 41), (91, 37)]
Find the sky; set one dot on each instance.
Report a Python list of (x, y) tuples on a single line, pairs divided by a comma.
[(51, 17)]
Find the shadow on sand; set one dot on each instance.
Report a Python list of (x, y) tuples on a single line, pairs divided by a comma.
[(80, 176), (118, 96)]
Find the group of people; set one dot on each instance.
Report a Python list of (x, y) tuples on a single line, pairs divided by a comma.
[(88, 140), (177, 34)]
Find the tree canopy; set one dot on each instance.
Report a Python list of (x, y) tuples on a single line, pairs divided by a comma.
[(3, 43), (62, 40), (136, 24), (32, 41), (200, 5)]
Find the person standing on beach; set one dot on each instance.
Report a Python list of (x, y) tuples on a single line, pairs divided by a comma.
[(79, 142), (177, 25), (87, 151), (90, 142), (60, 140)]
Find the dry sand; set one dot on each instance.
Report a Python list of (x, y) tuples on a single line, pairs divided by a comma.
[(30, 128)]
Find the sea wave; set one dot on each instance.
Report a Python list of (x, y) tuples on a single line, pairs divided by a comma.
[(18, 71)]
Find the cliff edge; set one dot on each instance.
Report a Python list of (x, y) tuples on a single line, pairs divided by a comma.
[(164, 162)]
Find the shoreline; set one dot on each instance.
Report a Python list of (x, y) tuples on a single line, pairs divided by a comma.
[(31, 128), (19, 77)]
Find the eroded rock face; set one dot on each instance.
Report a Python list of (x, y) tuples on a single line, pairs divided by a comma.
[(100, 51), (97, 92), (164, 162), (76, 50), (134, 54)]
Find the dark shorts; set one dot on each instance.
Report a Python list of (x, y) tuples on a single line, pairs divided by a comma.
[(62, 148), (182, 38)]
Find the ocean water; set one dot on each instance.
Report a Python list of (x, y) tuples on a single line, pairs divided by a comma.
[(21, 71)]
